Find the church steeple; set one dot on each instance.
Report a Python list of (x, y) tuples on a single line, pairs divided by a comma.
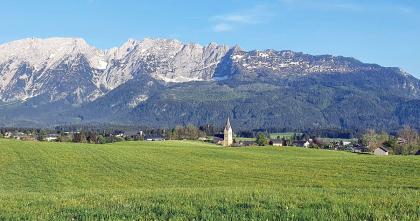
[(228, 134), (228, 127)]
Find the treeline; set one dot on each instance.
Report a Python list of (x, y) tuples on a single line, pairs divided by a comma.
[(263, 139), (327, 132), (103, 128), (25, 130), (61, 136), (90, 137), (101, 135), (189, 132)]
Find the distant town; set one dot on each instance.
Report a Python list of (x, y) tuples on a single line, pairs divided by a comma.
[(405, 142)]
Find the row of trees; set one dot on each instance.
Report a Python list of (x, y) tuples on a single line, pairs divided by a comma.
[(262, 139), (90, 137), (189, 132), (77, 137)]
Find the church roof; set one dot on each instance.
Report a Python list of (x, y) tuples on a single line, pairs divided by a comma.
[(227, 127)]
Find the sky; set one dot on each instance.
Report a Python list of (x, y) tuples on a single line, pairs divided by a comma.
[(386, 32)]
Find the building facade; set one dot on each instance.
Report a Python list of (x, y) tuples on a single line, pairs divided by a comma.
[(380, 151)]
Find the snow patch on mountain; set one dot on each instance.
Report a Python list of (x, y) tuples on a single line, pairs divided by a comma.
[(223, 78), (44, 53), (164, 59), (137, 100)]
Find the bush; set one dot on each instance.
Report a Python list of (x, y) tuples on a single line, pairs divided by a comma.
[(261, 139), (101, 139)]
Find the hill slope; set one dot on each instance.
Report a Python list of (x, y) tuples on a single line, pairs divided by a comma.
[(186, 180)]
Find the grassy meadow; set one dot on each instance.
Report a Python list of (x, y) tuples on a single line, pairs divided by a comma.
[(182, 180)]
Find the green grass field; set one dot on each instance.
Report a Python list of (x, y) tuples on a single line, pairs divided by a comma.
[(244, 139), (190, 180)]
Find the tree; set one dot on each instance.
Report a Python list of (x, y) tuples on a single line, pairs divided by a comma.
[(261, 139), (409, 140), (92, 137), (374, 140), (41, 135), (79, 137), (319, 143), (189, 132), (101, 139), (64, 138)]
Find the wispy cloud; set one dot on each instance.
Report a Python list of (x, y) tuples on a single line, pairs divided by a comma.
[(348, 6), (235, 18), (404, 9), (231, 21), (325, 5), (265, 12), (222, 27)]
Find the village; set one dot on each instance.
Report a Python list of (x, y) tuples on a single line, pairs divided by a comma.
[(406, 142)]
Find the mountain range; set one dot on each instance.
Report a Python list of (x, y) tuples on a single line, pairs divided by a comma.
[(164, 83)]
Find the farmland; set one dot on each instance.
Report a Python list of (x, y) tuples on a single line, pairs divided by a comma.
[(182, 180)]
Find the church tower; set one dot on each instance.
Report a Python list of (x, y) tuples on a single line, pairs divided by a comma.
[(228, 134)]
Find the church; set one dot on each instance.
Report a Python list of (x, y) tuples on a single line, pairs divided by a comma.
[(228, 135)]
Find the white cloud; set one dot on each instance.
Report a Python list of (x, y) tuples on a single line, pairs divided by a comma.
[(235, 18), (325, 5), (222, 27), (231, 21), (347, 6), (262, 13)]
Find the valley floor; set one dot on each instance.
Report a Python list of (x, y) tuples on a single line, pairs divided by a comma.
[(181, 180)]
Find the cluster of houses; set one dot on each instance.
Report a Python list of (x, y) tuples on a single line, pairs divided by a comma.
[(51, 137), (229, 141), (18, 135), (29, 136)]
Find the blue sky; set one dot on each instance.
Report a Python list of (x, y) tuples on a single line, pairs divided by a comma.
[(386, 32)]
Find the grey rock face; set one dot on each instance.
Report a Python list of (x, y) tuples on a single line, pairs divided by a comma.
[(70, 69)]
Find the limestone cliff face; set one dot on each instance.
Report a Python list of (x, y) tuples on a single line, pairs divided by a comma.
[(66, 68)]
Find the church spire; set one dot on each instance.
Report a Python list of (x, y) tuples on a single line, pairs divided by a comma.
[(228, 134), (228, 124)]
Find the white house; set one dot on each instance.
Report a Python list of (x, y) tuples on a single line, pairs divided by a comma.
[(302, 143), (346, 143), (18, 135), (8, 134), (380, 151), (276, 142), (154, 138), (51, 137)]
